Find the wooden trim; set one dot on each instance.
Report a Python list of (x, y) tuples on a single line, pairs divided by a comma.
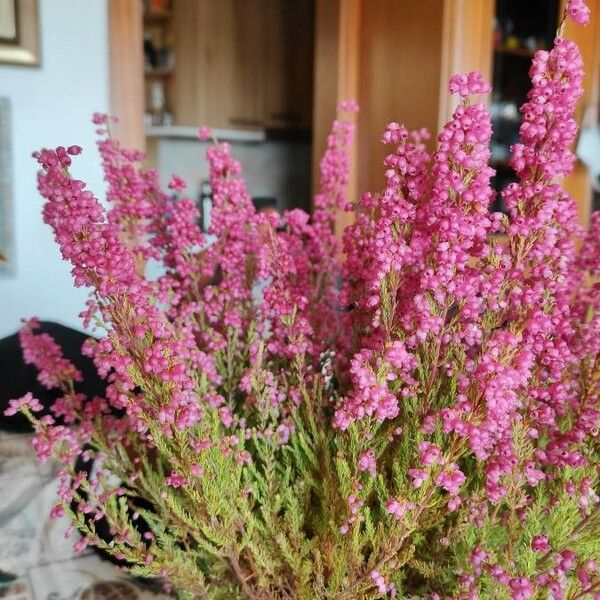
[(349, 53), (336, 77), (467, 45), (325, 77), (347, 89), (125, 29)]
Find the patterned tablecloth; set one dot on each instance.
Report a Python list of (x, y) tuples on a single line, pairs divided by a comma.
[(36, 561)]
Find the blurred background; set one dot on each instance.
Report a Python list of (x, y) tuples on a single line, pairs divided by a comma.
[(266, 75)]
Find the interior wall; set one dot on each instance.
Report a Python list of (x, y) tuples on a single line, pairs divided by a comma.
[(52, 105)]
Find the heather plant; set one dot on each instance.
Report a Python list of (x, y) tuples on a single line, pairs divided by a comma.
[(413, 414)]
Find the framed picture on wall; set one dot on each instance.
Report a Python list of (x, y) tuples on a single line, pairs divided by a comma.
[(7, 259), (19, 32)]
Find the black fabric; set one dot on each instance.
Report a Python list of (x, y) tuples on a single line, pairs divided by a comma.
[(17, 378)]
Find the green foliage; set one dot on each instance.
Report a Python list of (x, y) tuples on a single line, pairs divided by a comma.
[(301, 520)]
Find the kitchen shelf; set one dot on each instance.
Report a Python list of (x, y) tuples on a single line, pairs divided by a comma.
[(191, 133)]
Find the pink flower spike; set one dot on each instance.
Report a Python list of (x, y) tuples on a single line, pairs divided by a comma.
[(81, 544), (99, 118), (350, 106), (14, 406), (177, 184), (539, 543), (196, 470), (454, 503), (468, 84), (379, 582), (418, 477), (42, 351), (175, 480), (226, 416), (367, 462), (451, 479), (579, 11), (204, 133), (57, 511), (397, 509), (521, 588), (429, 453)]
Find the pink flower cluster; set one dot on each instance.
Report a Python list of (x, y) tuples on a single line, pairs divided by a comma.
[(417, 221), (423, 276), (553, 581), (468, 84), (579, 11), (382, 587), (43, 352), (14, 406)]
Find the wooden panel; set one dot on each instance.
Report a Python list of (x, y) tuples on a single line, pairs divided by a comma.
[(220, 54), (248, 41), (336, 65), (289, 41), (401, 56), (337, 62), (216, 82), (348, 89), (187, 55), (386, 54), (467, 45), (204, 52), (127, 70)]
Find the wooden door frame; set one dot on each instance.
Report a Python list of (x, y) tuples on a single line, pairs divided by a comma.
[(126, 61), (336, 77)]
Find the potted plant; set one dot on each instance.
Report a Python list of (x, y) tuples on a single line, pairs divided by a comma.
[(415, 416)]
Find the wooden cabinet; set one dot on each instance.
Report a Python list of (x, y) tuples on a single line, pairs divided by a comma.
[(244, 63), (203, 74), (247, 35), (289, 44), (396, 58)]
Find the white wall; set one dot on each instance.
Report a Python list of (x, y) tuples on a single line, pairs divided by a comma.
[(51, 106), (279, 169)]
